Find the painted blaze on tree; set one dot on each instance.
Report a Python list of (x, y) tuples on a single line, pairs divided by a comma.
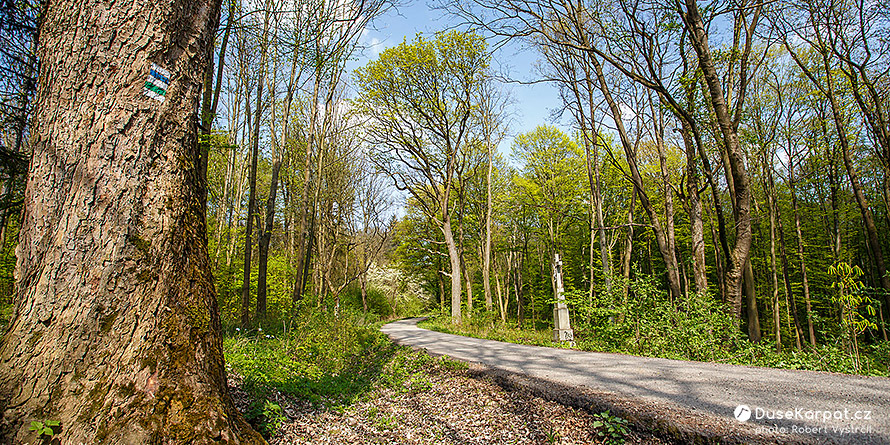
[(116, 334)]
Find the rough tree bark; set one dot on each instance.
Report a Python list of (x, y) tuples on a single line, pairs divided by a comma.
[(116, 332)]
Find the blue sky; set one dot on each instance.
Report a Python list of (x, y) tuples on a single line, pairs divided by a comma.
[(532, 104)]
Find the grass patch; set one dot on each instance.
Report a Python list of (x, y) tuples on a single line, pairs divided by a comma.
[(329, 361), (324, 359)]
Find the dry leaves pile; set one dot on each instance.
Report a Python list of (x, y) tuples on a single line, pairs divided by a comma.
[(438, 405)]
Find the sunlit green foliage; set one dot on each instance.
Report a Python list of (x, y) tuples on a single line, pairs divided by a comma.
[(648, 324)]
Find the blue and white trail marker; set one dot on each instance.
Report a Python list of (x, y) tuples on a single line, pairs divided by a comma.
[(156, 85)]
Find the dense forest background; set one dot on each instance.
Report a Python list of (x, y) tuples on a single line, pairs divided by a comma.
[(724, 180)]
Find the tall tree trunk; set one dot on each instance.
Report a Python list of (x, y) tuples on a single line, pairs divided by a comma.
[(254, 160), (502, 302), (116, 332), (440, 272), (669, 232), (770, 188), (235, 215), (750, 292), (696, 224), (223, 205), (304, 232), (791, 303), (591, 157), (251, 209), (461, 243), (628, 251), (800, 250), (486, 253), (209, 104), (211, 93), (517, 282), (864, 208), (363, 282), (266, 236), (454, 258), (591, 251), (732, 150), (265, 239), (834, 188)]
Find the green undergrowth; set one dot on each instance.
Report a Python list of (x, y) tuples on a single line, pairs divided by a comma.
[(329, 361), (647, 324)]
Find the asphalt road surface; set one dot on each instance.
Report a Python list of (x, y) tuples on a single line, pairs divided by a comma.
[(815, 406)]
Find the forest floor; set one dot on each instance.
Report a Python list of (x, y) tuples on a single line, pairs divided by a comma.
[(444, 402), (340, 380)]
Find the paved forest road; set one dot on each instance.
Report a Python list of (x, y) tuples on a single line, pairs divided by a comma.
[(824, 407)]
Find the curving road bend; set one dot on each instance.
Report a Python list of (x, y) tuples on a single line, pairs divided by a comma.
[(778, 404)]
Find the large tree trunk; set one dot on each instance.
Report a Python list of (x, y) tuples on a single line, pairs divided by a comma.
[(116, 333)]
